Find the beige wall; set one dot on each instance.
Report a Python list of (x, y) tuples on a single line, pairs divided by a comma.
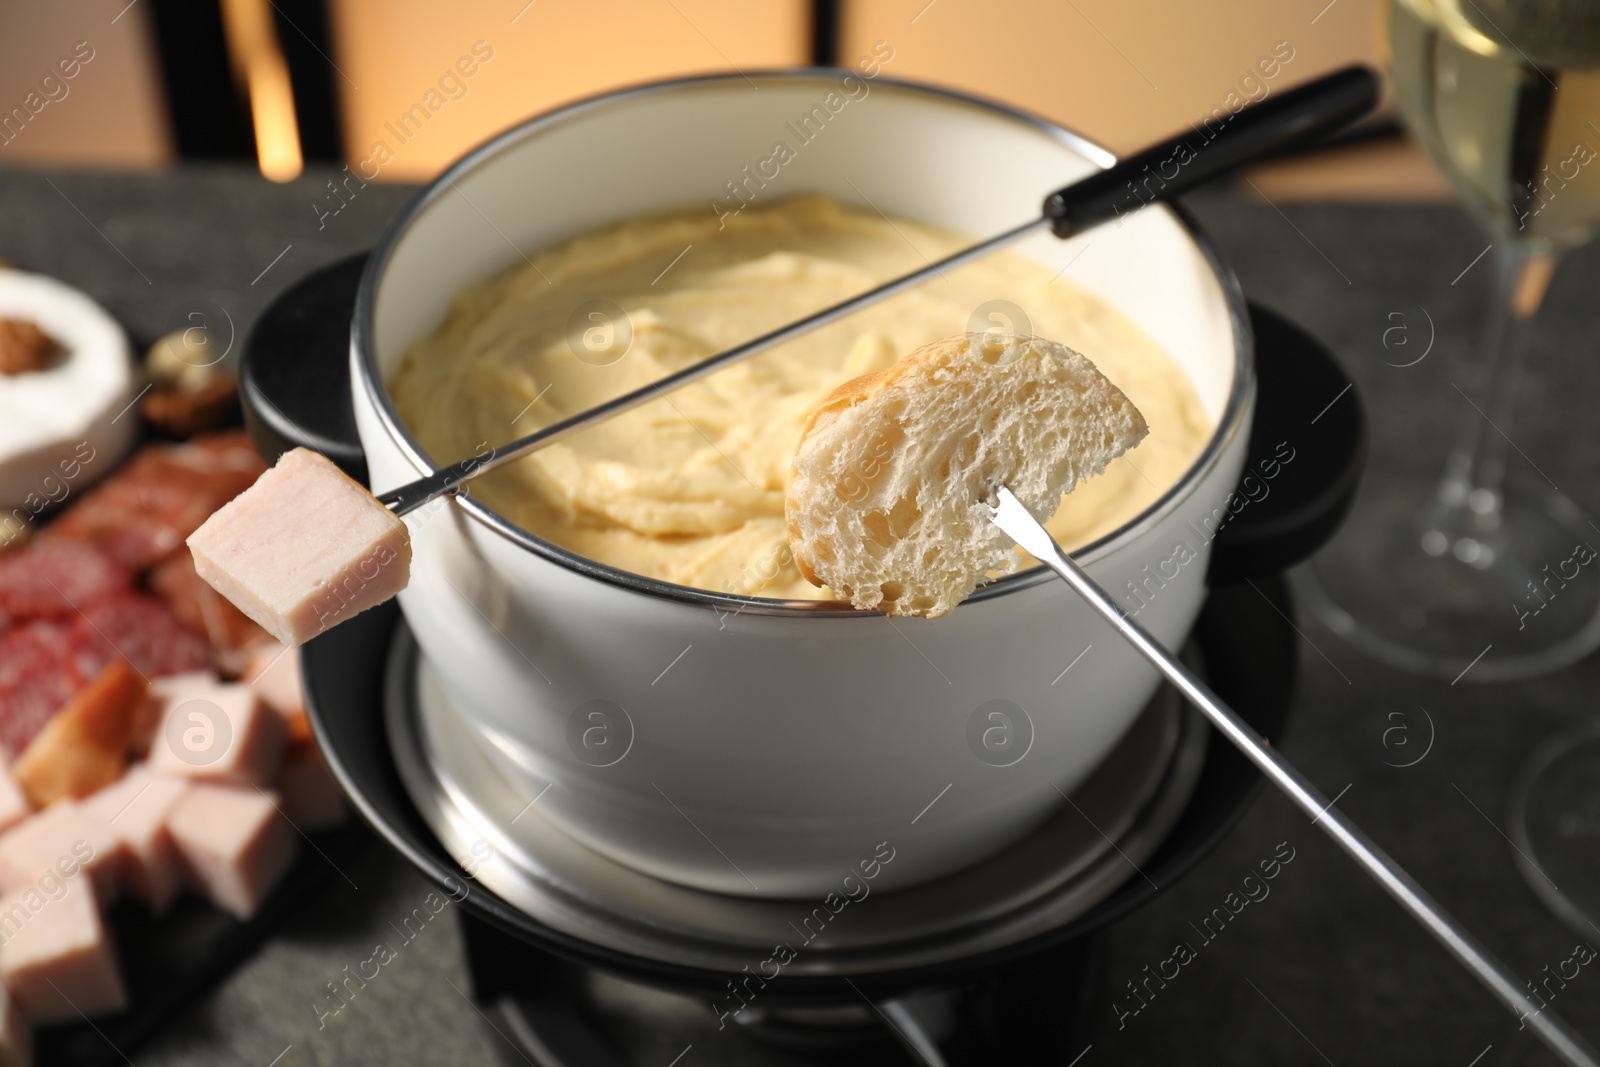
[(394, 51), (112, 114), (1123, 72)]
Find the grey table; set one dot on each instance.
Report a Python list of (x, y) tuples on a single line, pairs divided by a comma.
[(1326, 968)]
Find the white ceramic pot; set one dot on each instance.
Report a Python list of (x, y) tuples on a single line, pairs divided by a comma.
[(754, 746)]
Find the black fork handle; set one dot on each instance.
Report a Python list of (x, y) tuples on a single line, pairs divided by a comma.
[(1278, 123)]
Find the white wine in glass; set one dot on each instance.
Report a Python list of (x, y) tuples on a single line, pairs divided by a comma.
[(1487, 574), (1492, 574), (1505, 95)]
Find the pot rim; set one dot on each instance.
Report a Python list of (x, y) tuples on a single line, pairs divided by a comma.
[(1240, 392)]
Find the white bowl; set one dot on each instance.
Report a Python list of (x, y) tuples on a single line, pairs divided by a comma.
[(754, 746)]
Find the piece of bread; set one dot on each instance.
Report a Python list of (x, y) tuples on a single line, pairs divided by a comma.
[(886, 496)]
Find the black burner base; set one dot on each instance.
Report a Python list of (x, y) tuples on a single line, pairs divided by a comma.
[(562, 1014)]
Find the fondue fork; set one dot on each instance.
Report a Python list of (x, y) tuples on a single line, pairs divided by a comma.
[(1298, 117), (1023, 528)]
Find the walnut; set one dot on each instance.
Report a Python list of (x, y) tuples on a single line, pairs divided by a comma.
[(188, 392), (180, 411), (24, 347)]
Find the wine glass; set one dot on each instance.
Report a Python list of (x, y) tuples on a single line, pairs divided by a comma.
[(1490, 573)]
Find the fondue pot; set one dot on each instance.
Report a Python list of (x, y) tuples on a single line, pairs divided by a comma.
[(774, 749)]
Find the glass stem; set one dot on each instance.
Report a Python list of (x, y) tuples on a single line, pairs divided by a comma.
[(1474, 474)]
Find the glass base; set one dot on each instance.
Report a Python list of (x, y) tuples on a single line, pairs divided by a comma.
[(1514, 595), (1554, 825)]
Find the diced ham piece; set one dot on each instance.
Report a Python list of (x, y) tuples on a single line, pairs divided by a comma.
[(273, 669), (234, 842), (85, 747), (14, 807), (136, 808), (177, 685), (162, 693), (303, 549), (57, 844), (16, 1038), (165, 693), (311, 796), (274, 672), (219, 733), (56, 957)]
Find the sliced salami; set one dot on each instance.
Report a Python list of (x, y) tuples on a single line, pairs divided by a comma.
[(139, 628), (54, 579), (141, 514), (37, 678)]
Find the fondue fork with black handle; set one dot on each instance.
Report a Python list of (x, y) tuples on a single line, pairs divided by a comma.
[(1030, 534), (1293, 119)]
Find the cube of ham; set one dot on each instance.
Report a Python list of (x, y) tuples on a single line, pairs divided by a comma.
[(136, 808), (14, 807), (273, 671), (176, 685), (303, 549), (219, 732), (234, 842), (57, 844), (56, 958), (16, 1038), (162, 693)]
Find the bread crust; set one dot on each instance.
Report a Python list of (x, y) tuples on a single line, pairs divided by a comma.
[(844, 397)]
